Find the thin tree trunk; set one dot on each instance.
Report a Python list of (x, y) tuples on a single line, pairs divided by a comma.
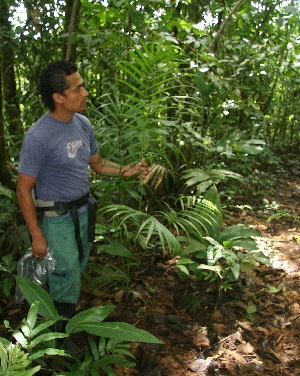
[(5, 172), (71, 26), (12, 109), (214, 43)]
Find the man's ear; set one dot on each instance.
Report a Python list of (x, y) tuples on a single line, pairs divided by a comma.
[(57, 97)]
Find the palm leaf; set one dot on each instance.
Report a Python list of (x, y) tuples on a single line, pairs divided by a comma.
[(145, 224), (202, 179)]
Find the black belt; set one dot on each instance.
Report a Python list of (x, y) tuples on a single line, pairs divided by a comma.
[(62, 208)]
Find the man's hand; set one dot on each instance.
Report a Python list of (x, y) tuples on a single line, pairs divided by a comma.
[(39, 247), (140, 168), (107, 167)]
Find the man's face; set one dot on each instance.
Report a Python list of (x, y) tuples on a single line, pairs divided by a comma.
[(74, 99)]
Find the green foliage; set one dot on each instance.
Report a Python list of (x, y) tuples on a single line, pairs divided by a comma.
[(144, 225), (104, 277), (250, 310), (282, 214), (195, 234), (234, 251), (203, 180), (13, 232), (104, 355), (13, 235), (202, 219), (8, 193), (168, 86), (15, 362), (33, 293), (35, 337), (7, 268), (238, 142)]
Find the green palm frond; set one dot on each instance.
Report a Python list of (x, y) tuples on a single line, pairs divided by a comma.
[(203, 179), (145, 225), (103, 277), (201, 217), (152, 227), (204, 219)]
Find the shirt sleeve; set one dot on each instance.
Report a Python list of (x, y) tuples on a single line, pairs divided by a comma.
[(94, 145), (32, 156)]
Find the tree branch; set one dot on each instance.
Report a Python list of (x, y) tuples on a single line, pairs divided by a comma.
[(214, 43)]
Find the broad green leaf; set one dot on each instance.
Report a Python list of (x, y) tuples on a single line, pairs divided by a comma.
[(236, 271), (183, 269), (185, 261), (94, 314), (118, 330), (214, 268), (33, 293), (234, 232), (193, 246), (245, 243), (115, 248), (8, 193)]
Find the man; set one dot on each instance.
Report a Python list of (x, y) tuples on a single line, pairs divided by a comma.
[(56, 153)]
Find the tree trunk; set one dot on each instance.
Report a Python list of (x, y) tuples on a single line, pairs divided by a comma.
[(12, 109), (6, 178), (6, 68), (71, 26)]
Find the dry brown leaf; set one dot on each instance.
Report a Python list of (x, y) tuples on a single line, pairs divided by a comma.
[(263, 330), (200, 339), (246, 325), (245, 348), (236, 356), (156, 174)]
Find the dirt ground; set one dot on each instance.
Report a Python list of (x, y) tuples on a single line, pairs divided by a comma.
[(219, 334)]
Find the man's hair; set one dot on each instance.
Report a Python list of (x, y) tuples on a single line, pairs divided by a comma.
[(53, 80)]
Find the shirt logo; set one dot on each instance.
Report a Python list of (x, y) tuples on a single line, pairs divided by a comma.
[(73, 147)]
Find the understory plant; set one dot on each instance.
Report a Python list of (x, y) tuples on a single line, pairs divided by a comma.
[(34, 342), (13, 238), (224, 258), (196, 235), (178, 206)]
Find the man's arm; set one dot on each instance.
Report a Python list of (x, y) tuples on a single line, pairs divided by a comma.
[(106, 167), (24, 187)]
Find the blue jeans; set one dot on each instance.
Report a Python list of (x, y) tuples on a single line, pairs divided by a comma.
[(65, 280)]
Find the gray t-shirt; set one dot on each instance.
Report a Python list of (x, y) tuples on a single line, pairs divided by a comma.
[(57, 153)]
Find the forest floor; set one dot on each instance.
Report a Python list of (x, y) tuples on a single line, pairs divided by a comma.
[(216, 335), (207, 333)]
